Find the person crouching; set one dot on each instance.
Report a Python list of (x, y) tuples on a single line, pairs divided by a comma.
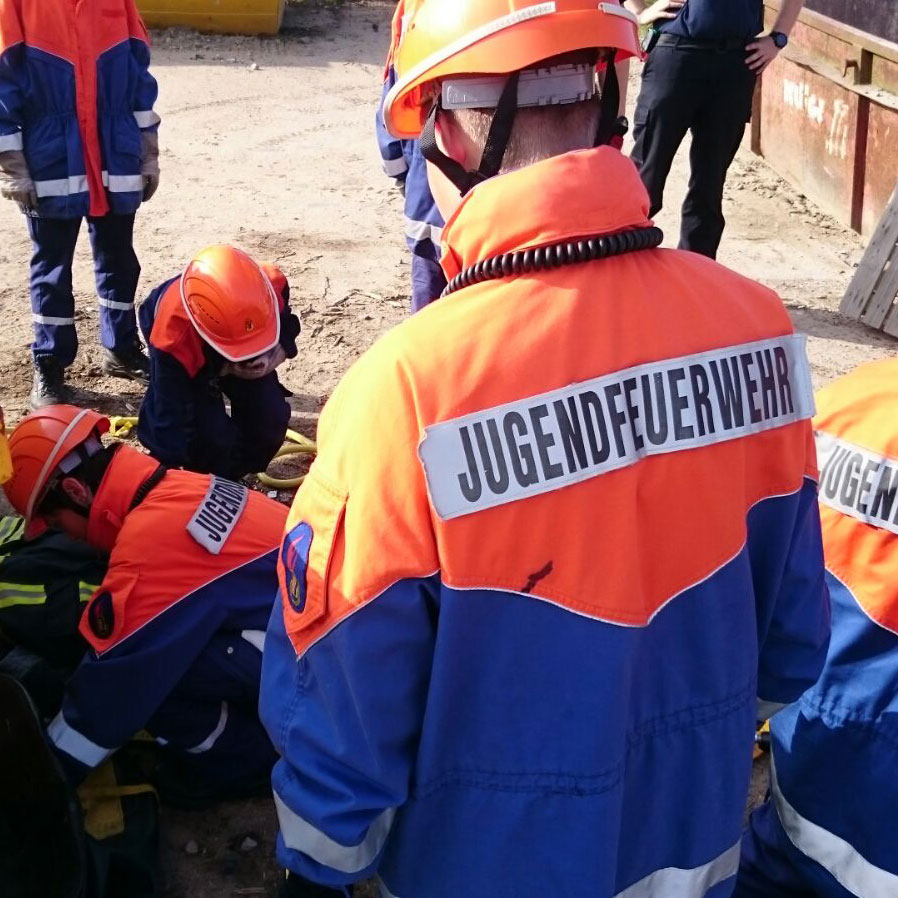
[(218, 332)]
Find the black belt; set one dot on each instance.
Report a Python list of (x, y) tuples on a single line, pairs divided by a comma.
[(690, 43)]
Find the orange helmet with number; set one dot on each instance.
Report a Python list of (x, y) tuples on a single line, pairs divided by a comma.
[(445, 39), (53, 440), (231, 302)]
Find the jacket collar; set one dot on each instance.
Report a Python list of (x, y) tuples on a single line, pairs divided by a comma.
[(577, 194), (126, 473)]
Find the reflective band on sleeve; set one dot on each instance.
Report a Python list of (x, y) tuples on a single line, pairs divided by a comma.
[(421, 230), (86, 591), (212, 738), (146, 119), (832, 852), (12, 529), (553, 440), (21, 594), (858, 482), (766, 710), (10, 142), (73, 743), (62, 186), (123, 183), (300, 835), (255, 638), (49, 319), (693, 883), (111, 304), (393, 167)]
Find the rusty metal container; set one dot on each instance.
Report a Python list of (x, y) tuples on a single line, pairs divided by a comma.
[(826, 116)]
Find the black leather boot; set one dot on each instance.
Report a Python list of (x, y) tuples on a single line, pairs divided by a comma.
[(49, 383), (131, 363)]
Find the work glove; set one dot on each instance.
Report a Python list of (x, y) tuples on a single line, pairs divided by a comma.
[(259, 367), (149, 163), (296, 887), (15, 180)]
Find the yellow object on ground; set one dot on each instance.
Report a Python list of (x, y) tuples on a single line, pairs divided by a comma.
[(5, 460), (101, 801), (120, 426), (223, 16), (296, 444)]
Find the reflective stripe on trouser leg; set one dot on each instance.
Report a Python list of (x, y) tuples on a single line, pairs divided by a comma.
[(52, 303), (117, 271), (686, 883)]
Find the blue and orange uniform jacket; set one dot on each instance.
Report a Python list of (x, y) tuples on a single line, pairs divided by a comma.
[(193, 563), (831, 826), (402, 160), (525, 627), (75, 93), (181, 362)]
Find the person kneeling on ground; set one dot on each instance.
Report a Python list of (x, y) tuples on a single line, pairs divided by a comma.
[(176, 629), (218, 330), (825, 830)]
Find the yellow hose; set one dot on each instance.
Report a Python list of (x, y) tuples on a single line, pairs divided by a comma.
[(121, 426), (296, 444)]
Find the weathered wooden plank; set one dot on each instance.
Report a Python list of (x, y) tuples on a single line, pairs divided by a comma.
[(883, 298), (869, 272)]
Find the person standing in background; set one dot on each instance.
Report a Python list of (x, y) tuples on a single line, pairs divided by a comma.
[(704, 57), (78, 138)]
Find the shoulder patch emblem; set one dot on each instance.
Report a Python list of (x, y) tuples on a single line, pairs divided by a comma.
[(295, 563), (101, 615)]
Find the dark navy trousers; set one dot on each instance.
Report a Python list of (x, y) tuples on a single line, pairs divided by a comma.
[(116, 270)]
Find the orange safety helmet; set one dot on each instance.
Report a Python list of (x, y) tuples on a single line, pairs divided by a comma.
[(231, 302), (454, 38), (41, 446)]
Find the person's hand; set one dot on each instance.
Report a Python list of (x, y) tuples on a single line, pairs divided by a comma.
[(15, 180), (259, 367), (149, 162), (150, 186), (662, 9), (760, 53)]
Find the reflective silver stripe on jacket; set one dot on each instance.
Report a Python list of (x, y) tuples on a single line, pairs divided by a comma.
[(395, 167), (11, 142), (421, 230), (76, 744), (146, 119), (61, 186), (686, 883), (846, 864), (300, 835)]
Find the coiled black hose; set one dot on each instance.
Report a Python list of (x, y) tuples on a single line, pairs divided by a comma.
[(543, 258)]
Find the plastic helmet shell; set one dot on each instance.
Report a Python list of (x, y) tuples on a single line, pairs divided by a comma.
[(231, 302), (38, 445), (451, 38)]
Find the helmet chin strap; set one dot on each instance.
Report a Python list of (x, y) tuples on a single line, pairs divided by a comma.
[(493, 152), (609, 127)]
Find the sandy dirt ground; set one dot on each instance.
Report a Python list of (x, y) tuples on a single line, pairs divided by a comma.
[(268, 144)]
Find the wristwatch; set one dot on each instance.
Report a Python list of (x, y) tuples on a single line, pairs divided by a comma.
[(779, 39)]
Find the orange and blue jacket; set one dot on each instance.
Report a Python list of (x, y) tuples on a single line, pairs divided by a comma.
[(75, 94), (195, 558), (560, 539), (835, 752)]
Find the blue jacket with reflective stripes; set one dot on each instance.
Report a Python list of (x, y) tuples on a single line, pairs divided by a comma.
[(75, 94), (402, 160)]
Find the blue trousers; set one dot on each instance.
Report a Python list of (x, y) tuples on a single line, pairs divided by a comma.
[(116, 271), (210, 723)]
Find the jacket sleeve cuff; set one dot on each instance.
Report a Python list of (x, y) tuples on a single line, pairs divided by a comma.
[(11, 142)]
